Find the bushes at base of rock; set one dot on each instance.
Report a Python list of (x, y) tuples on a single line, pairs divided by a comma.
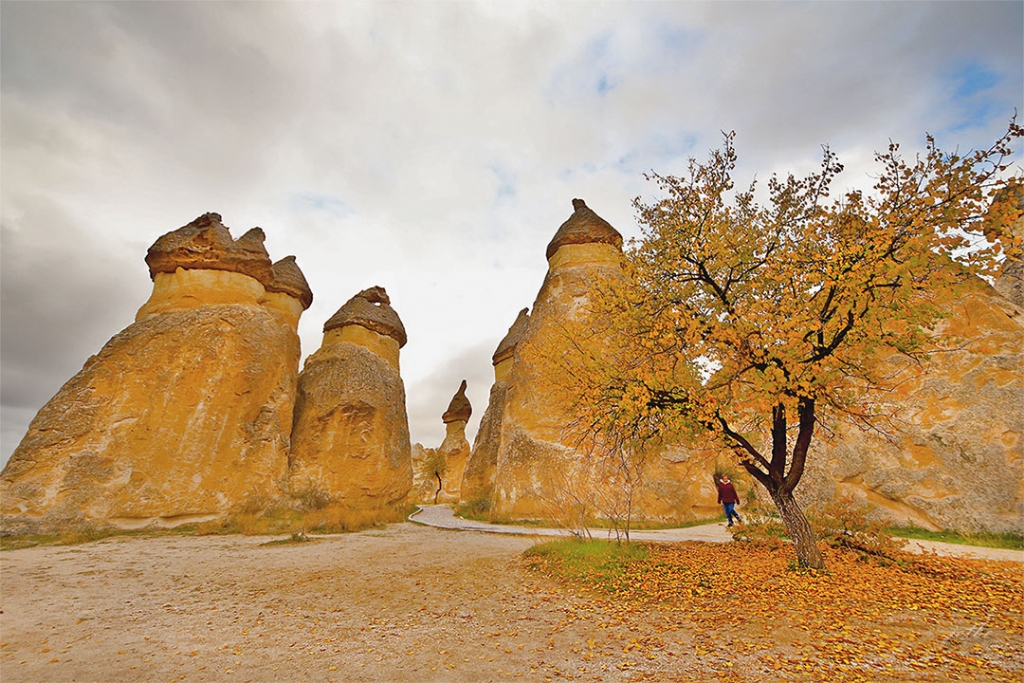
[(840, 523)]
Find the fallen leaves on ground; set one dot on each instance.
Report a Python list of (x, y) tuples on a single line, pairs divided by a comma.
[(745, 613)]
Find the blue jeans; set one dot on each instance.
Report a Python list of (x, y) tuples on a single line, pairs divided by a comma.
[(730, 512)]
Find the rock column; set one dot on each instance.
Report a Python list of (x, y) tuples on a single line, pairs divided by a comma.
[(350, 441), (533, 461), (455, 448), (182, 417), (478, 479)]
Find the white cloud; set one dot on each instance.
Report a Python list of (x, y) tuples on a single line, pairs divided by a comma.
[(431, 148)]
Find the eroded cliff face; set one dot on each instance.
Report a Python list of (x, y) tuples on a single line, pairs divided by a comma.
[(958, 461), (350, 440), (183, 416)]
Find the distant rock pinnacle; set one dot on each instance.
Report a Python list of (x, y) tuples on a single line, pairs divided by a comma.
[(459, 409)]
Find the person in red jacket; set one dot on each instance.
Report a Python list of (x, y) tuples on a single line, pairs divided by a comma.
[(728, 498)]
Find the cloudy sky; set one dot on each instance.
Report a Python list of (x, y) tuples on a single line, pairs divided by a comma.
[(432, 148)]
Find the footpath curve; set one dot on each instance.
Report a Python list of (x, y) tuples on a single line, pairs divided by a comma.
[(443, 517)]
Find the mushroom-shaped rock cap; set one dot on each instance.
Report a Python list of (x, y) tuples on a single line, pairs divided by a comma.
[(507, 347), (370, 308), (288, 279), (205, 244), (459, 408), (584, 227)]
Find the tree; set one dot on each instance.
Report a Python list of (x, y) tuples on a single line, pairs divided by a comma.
[(735, 317), (436, 466)]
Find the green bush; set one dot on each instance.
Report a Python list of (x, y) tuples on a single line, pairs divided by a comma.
[(477, 508)]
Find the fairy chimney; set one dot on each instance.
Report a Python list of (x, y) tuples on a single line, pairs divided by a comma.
[(532, 459), (350, 440), (183, 416), (478, 478)]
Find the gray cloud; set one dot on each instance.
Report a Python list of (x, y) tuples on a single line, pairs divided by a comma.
[(432, 148)]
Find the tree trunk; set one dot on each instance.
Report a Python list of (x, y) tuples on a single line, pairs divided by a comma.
[(807, 552)]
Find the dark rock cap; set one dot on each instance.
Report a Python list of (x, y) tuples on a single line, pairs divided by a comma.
[(584, 227), (288, 279), (370, 308), (507, 347), (205, 244), (459, 408)]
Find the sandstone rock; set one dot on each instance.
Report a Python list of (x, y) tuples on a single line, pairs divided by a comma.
[(957, 462), (478, 478), (507, 347), (455, 448), (288, 279), (1005, 219), (533, 462), (370, 309), (350, 440), (185, 415), (584, 227), (205, 244), (459, 409), (426, 483)]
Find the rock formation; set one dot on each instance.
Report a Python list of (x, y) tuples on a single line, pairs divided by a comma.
[(956, 464), (183, 416), (478, 479), (533, 463), (350, 440), (1006, 220), (426, 482), (455, 447), (438, 472), (958, 460)]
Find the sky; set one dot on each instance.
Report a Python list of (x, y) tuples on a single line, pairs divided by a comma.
[(432, 148)]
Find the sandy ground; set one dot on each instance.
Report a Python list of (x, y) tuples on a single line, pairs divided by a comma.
[(403, 603)]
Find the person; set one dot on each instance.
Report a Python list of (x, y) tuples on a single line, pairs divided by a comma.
[(728, 498)]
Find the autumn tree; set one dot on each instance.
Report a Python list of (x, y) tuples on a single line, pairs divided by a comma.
[(750, 322)]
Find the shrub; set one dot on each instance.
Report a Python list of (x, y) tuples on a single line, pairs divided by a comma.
[(477, 508), (847, 523)]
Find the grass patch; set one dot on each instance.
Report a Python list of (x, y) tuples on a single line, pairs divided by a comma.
[(635, 525), (1007, 540), (591, 563), (478, 509)]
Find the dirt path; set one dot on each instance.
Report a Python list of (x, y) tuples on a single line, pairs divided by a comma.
[(405, 603), (442, 517)]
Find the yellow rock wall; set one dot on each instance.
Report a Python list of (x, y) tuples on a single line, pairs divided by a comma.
[(478, 478), (455, 448)]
